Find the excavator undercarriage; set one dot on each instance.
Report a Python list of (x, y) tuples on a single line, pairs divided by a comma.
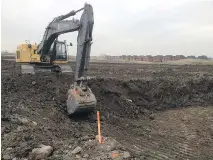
[(41, 67)]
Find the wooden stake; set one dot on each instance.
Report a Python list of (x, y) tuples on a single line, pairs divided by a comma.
[(99, 127)]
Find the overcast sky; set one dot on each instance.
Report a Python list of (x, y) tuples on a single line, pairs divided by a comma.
[(121, 26)]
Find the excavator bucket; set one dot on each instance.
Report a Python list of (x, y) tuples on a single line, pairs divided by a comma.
[(80, 101)]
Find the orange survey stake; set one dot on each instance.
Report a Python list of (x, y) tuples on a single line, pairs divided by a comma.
[(99, 128)]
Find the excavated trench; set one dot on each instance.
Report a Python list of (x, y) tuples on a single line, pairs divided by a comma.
[(134, 98), (123, 104)]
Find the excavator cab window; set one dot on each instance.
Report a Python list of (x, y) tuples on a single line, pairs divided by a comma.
[(61, 53)]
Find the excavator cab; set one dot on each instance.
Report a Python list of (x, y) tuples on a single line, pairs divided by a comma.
[(59, 53)]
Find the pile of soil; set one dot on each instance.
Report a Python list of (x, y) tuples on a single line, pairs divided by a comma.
[(34, 107), (135, 98)]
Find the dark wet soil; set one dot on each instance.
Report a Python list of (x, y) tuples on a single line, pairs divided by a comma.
[(133, 99)]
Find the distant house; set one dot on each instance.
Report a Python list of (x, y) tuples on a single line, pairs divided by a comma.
[(179, 57), (134, 57), (108, 57), (124, 57), (140, 58), (128, 57), (168, 58), (202, 57), (115, 57), (148, 58), (158, 58), (191, 57)]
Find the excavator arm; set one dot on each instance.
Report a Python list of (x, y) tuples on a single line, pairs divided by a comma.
[(52, 33), (80, 97), (84, 42), (56, 28)]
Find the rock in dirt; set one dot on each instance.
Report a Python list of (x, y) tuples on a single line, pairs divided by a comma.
[(34, 123), (120, 155), (86, 156), (33, 82), (85, 138), (77, 150), (152, 117), (23, 120), (115, 155), (41, 153), (109, 144), (77, 156), (126, 155), (6, 157)]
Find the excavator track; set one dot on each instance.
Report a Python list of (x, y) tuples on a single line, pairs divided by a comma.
[(41, 68), (27, 69), (65, 68)]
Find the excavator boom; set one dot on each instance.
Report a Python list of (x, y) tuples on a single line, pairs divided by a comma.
[(52, 32), (84, 42), (80, 96)]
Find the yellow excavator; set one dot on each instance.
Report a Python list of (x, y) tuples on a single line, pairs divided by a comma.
[(52, 54), (27, 55)]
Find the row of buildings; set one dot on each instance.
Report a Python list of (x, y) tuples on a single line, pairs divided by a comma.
[(150, 58)]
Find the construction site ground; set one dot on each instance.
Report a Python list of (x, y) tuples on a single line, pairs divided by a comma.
[(148, 111)]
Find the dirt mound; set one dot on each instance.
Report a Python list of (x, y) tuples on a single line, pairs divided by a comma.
[(135, 98)]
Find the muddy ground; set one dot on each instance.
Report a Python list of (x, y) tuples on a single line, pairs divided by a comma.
[(152, 111)]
